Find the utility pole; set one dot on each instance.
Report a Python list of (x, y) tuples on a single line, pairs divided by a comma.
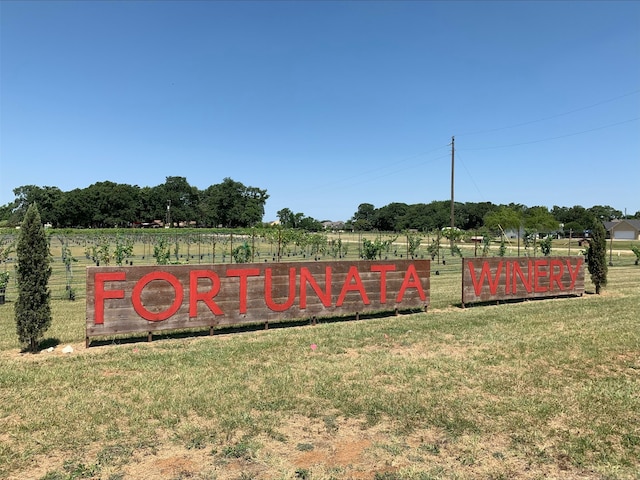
[(452, 177)]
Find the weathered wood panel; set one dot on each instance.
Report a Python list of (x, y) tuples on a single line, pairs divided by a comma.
[(158, 298), (499, 278)]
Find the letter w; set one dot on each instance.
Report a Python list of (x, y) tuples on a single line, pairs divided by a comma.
[(485, 273)]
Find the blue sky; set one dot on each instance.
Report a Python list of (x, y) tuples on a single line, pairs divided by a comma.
[(327, 105)]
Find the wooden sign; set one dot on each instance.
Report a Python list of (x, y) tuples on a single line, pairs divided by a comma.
[(156, 298), (499, 278)]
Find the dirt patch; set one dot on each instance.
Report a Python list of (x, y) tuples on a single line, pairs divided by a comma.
[(168, 467), (169, 463), (349, 453), (348, 450), (42, 355)]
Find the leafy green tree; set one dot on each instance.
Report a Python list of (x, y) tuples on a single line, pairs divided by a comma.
[(363, 219), (67, 260), (177, 197), (502, 251), (318, 243), (6, 248), (440, 214), (46, 198), (575, 219), (597, 255), (99, 198), (162, 251), (540, 220), (503, 219), (102, 204), (32, 309), (76, 209), (474, 214), (453, 235), (102, 252), (545, 245), (575, 228), (5, 213), (288, 219), (390, 217), (242, 253), (428, 216), (123, 249), (372, 250), (417, 217), (310, 224), (231, 204), (335, 248), (605, 213), (636, 251), (486, 243), (434, 248), (529, 240), (413, 244), (183, 197), (282, 238)]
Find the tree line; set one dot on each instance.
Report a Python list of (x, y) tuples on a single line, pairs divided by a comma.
[(231, 204), (483, 215), (107, 204)]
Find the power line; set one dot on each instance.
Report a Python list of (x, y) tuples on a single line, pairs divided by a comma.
[(557, 137), (393, 164), (339, 184), (635, 92), (469, 173)]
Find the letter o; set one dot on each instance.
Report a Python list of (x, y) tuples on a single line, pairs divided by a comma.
[(143, 282)]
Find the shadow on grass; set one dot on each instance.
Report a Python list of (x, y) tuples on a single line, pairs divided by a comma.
[(233, 329), (43, 345), (48, 342), (509, 301)]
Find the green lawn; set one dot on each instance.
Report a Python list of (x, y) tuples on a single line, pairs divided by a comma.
[(531, 390)]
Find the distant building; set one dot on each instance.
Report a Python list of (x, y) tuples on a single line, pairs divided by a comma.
[(623, 229), (333, 225)]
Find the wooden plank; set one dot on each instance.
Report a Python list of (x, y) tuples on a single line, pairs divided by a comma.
[(503, 278), (157, 298)]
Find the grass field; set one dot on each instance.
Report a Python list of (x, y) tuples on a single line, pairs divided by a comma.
[(531, 390)]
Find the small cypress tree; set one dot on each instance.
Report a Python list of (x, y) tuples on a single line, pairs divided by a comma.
[(33, 309), (597, 255)]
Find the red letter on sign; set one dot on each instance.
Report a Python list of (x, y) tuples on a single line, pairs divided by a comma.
[(383, 269), (574, 273), (540, 272), (358, 286), (485, 273), (526, 283), (137, 294), (100, 294), (411, 280), (268, 294), (206, 297), (306, 277), (555, 276), (243, 274)]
